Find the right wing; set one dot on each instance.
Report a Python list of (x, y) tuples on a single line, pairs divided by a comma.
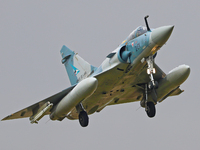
[(33, 109)]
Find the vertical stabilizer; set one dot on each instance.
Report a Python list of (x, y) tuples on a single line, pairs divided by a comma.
[(77, 68)]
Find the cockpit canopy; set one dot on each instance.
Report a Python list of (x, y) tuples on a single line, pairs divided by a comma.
[(137, 32)]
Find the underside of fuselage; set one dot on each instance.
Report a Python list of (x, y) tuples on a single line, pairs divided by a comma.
[(117, 87), (128, 74)]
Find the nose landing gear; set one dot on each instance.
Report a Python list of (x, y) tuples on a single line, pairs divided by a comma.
[(151, 86), (149, 105), (150, 109), (150, 71)]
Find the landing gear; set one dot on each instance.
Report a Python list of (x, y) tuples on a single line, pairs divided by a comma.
[(153, 86), (150, 109), (150, 88), (83, 119), (83, 116), (149, 105), (150, 71)]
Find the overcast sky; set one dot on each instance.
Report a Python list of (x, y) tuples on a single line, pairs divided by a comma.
[(31, 36)]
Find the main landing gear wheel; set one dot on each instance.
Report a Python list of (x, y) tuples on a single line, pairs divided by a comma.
[(83, 119), (150, 109)]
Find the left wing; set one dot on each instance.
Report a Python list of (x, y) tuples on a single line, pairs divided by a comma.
[(33, 109)]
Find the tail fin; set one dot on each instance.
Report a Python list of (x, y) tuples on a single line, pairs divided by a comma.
[(77, 68)]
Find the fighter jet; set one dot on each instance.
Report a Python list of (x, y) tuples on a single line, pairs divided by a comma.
[(128, 74)]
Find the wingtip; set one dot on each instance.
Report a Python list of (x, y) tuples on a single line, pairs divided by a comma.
[(7, 117), (3, 119)]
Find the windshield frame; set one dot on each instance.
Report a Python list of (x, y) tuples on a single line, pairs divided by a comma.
[(136, 33)]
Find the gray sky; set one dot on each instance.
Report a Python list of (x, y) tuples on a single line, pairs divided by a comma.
[(31, 36)]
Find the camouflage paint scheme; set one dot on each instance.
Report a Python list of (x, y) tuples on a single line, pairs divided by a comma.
[(121, 77)]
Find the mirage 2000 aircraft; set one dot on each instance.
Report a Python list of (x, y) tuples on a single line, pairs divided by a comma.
[(128, 74)]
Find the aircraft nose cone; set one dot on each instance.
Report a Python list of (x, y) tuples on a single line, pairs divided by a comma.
[(160, 35)]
